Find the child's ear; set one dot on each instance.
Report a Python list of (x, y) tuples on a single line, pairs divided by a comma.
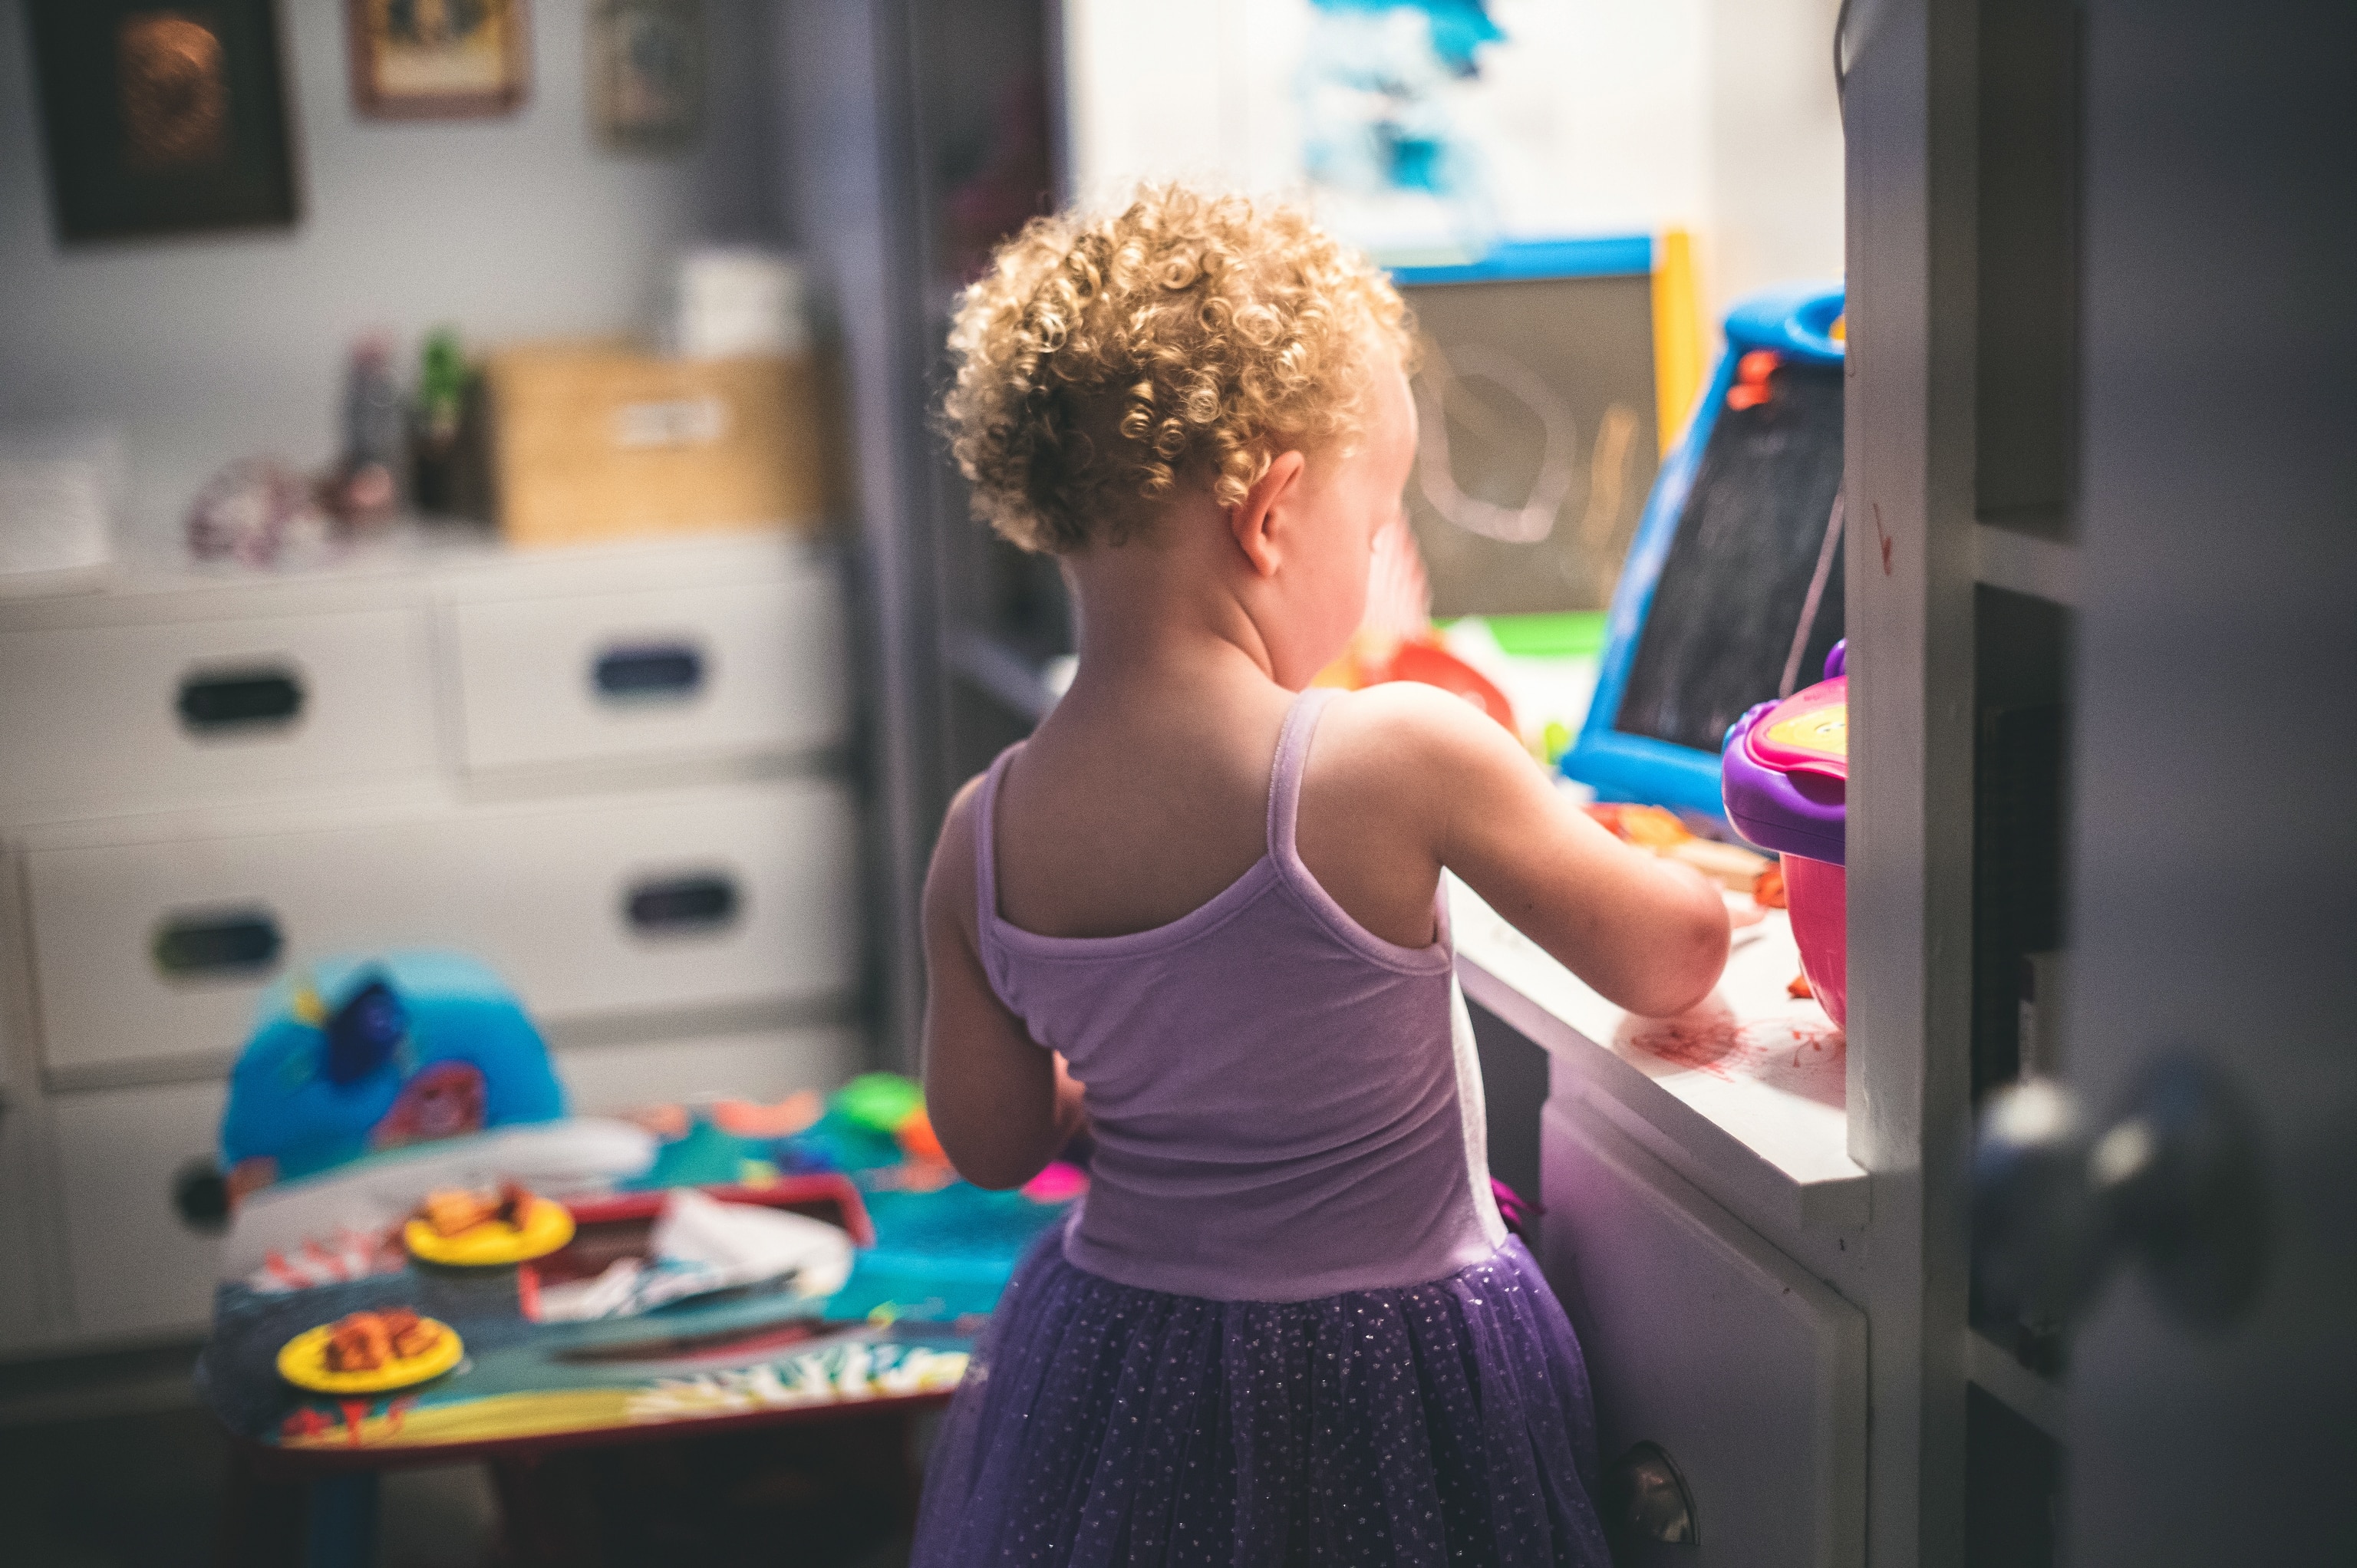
[(1255, 519)]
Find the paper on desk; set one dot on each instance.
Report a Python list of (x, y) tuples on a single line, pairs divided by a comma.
[(701, 1245), (343, 1223)]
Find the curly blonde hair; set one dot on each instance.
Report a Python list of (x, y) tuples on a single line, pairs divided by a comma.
[(1106, 361)]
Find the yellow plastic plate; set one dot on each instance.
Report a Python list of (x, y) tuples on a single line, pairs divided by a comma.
[(547, 1226), (303, 1361)]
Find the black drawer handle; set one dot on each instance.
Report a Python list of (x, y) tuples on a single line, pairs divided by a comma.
[(218, 943), (657, 671), (219, 701), (201, 1196), (677, 906)]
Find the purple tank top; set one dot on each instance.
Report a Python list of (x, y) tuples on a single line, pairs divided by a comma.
[(1286, 1106)]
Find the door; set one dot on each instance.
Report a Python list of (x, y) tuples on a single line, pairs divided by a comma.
[(2215, 873)]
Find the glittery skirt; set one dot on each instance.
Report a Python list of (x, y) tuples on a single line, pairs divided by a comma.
[(1100, 1425)]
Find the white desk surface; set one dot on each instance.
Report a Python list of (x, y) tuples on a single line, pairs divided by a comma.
[(1743, 1095)]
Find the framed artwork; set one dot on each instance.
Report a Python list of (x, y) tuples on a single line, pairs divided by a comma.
[(646, 74), (161, 122), (438, 60)]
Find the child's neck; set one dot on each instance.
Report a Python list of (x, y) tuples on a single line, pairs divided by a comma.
[(1165, 613)]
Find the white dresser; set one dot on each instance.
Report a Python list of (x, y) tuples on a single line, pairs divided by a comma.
[(618, 775)]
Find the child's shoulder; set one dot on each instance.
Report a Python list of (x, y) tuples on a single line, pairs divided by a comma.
[(1404, 730), (952, 883), (1405, 764)]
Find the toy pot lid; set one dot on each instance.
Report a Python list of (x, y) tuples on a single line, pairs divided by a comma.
[(1808, 732), (1785, 770)]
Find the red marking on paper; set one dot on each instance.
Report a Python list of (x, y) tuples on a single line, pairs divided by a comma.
[(1797, 1050), (1697, 1042)]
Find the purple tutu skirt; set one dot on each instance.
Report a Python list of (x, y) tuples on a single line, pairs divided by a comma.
[(1446, 1424)]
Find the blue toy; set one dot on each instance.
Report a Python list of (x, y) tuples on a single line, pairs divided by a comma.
[(1750, 608), (360, 1055)]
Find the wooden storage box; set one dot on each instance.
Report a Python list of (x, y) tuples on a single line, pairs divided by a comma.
[(597, 441)]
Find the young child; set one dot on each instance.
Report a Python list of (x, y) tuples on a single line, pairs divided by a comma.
[(1285, 1325)]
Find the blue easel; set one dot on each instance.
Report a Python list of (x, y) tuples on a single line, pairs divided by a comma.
[(1797, 324)]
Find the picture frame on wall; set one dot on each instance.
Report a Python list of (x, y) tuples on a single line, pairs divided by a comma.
[(163, 122), (646, 74), (438, 60)]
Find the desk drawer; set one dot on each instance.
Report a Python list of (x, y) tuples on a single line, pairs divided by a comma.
[(148, 951), (747, 667), (1704, 1339), (134, 1266), (138, 715)]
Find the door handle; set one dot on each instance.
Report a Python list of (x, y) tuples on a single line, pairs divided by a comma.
[(2175, 1180), (1645, 1498)]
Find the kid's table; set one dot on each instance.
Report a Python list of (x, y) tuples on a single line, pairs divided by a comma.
[(891, 1343)]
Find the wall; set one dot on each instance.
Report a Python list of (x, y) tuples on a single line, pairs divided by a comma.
[(1590, 119), (209, 348), (1775, 199), (1601, 116)]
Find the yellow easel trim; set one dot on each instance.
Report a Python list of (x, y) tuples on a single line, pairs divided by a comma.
[(1677, 336)]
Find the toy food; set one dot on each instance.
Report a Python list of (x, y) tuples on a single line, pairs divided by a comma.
[(918, 1140), (368, 1352), (454, 1211), (359, 1344), (366, 1340), (1731, 865), (1786, 783), (1647, 827), (878, 1101), (455, 1226)]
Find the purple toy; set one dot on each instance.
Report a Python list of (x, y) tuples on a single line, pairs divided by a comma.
[(1785, 781)]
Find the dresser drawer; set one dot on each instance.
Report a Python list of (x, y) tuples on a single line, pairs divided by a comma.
[(134, 1266), (763, 1066), (742, 667), (118, 716), (145, 951), (1704, 1339), (26, 1255)]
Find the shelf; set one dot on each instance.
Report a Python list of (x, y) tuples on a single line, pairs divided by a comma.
[(2025, 563), (1742, 1097), (2013, 1385)]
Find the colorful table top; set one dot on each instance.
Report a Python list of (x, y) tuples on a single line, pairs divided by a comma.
[(900, 1327)]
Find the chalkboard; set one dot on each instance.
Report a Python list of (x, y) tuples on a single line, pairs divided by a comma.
[(1538, 439), (1751, 557), (1732, 591)]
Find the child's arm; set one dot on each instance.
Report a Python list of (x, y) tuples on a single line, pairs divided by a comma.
[(1648, 934), (1001, 1103)]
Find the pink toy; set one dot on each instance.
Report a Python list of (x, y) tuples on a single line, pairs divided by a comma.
[(1786, 786)]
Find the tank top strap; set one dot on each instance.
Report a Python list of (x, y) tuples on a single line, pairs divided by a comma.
[(1285, 774), (985, 854)]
